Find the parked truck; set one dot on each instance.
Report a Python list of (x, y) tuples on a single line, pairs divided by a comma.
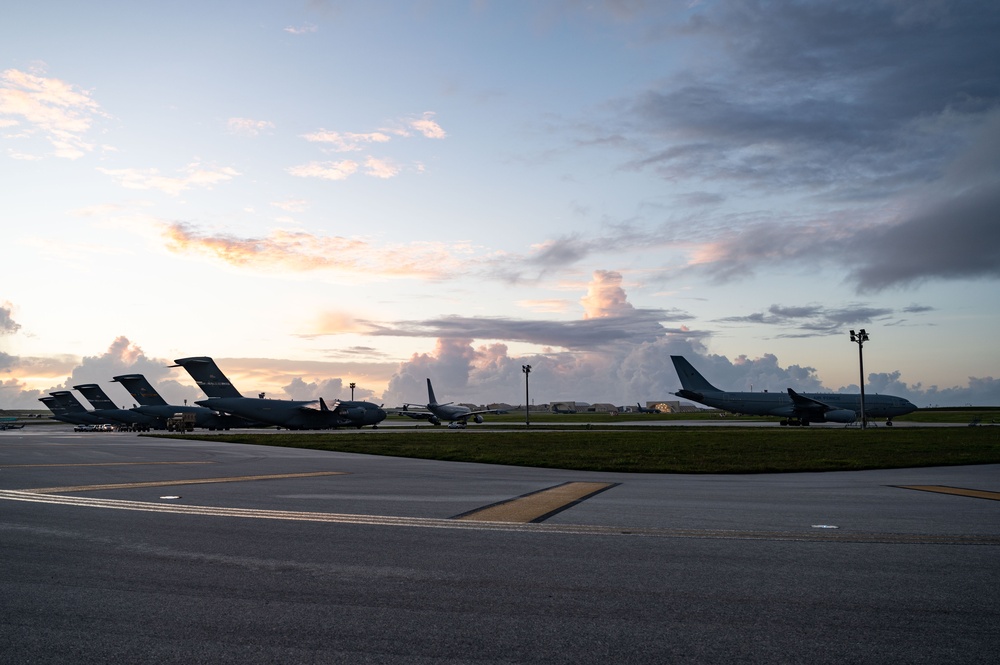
[(181, 422)]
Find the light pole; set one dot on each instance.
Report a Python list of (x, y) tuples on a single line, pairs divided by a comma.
[(351, 385), (527, 417), (861, 337)]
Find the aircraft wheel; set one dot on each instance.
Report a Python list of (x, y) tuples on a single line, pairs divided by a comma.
[(888, 423)]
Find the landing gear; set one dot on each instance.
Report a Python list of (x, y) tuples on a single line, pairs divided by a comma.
[(794, 422)]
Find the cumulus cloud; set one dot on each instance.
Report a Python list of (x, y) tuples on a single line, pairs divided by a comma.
[(59, 111)]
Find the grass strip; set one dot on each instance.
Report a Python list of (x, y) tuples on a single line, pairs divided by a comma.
[(663, 450)]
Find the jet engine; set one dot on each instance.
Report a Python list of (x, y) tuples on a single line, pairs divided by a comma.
[(840, 416), (478, 418), (434, 420)]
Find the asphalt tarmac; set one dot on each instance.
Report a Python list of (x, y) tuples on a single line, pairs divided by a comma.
[(117, 548)]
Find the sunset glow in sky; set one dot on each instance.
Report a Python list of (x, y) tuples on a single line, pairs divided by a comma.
[(321, 192)]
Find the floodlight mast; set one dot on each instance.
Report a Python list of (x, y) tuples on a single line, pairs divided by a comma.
[(352, 385), (860, 338), (527, 415)]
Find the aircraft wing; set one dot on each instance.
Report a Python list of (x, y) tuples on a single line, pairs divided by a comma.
[(813, 409), (493, 411), (418, 414), (808, 404)]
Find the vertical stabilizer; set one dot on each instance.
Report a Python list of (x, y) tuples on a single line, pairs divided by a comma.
[(430, 393), (691, 380), (53, 405), (69, 401), (96, 396), (208, 376), (140, 389)]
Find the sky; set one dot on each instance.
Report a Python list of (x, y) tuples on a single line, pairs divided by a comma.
[(324, 192)]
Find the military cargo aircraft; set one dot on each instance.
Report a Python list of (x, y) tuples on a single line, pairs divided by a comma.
[(151, 404), (794, 408), (290, 414), (434, 413), (73, 410), (105, 408)]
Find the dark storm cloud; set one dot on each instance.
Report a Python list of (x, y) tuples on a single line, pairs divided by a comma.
[(957, 239), (848, 96)]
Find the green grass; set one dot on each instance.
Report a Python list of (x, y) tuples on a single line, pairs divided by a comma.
[(664, 450)]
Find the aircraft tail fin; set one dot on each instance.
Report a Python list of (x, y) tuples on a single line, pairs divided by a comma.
[(69, 401), (691, 380), (430, 393), (140, 389), (53, 405), (96, 396), (208, 376)]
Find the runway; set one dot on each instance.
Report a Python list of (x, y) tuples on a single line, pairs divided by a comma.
[(132, 549)]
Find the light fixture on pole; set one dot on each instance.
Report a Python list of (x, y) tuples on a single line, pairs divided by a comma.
[(351, 385), (527, 416), (861, 337)]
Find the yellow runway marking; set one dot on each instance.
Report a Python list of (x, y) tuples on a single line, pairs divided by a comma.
[(959, 491), (433, 523), (537, 506), (170, 483), (33, 466)]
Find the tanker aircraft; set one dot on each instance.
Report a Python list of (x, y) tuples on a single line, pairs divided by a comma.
[(795, 408), (434, 413), (291, 414), (151, 404)]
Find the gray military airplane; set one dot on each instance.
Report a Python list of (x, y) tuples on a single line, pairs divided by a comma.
[(75, 412), (59, 412), (795, 408), (434, 413), (151, 404), (642, 409), (105, 408), (290, 414)]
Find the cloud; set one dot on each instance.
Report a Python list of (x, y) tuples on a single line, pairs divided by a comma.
[(853, 97), (325, 170), (377, 167), (426, 126), (819, 320), (196, 175), (305, 29), (8, 326), (299, 251), (608, 319), (958, 238), (346, 141), (59, 111), (381, 168), (248, 126)]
